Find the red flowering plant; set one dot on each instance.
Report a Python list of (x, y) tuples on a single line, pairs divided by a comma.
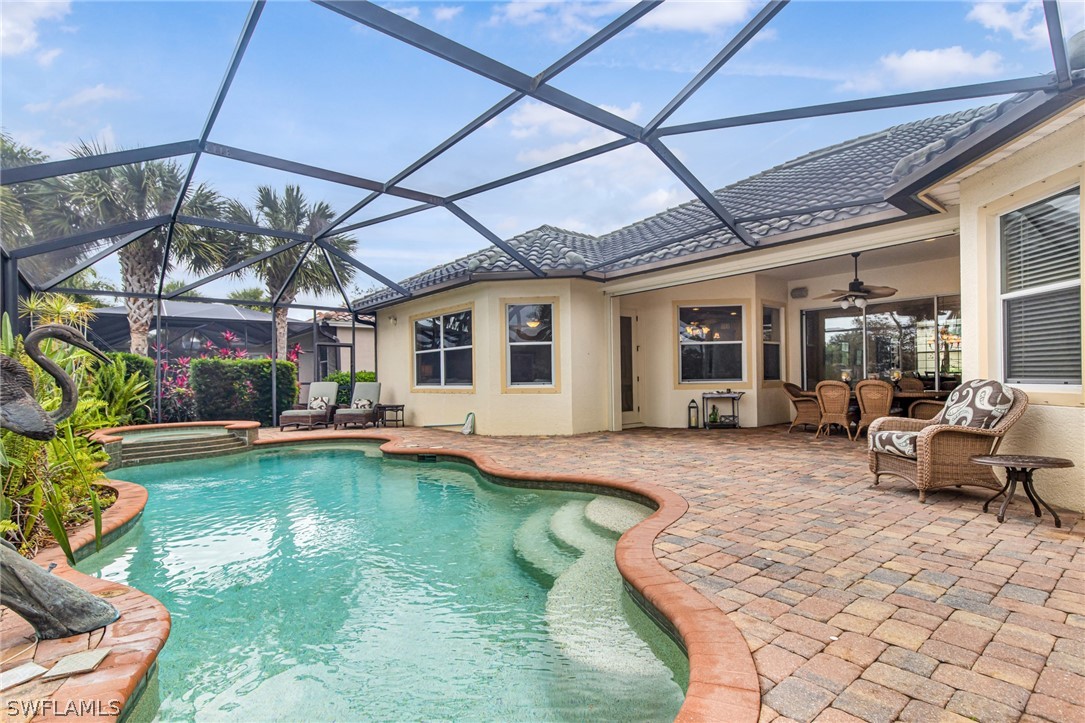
[(178, 397)]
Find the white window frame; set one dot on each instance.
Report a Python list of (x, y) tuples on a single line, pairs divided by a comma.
[(779, 344), (682, 342), (1003, 297), (441, 349), (509, 344)]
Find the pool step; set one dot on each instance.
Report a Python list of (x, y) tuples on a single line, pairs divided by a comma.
[(586, 607), (536, 551), (569, 530), (149, 452), (612, 516)]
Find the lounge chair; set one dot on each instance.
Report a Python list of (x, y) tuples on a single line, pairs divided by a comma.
[(935, 453), (316, 412), (807, 411), (875, 399), (363, 406), (834, 398)]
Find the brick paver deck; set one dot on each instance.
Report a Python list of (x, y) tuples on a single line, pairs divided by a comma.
[(858, 602)]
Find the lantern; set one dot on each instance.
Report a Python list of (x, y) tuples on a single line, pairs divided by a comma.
[(693, 414)]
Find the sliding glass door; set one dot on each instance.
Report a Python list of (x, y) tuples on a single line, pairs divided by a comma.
[(920, 338)]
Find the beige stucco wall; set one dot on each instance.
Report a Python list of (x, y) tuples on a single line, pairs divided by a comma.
[(576, 403), (365, 348), (663, 399), (1054, 424)]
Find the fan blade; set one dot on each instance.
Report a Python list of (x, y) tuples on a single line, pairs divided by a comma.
[(878, 292), (835, 294)]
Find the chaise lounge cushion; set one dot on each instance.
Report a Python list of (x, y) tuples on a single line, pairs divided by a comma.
[(898, 444), (978, 404)]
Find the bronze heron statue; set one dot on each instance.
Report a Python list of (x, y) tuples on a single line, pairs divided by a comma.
[(55, 607), (19, 409)]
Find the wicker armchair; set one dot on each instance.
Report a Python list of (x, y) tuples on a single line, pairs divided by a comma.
[(833, 401), (935, 453), (910, 384), (807, 411), (875, 400), (926, 409)]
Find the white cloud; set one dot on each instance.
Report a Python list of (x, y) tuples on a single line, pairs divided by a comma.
[(19, 29), (562, 20), (696, 17), (927, 68), (46, 57), (93, 95), (444, 13), (565, 132), (411, 12), (1024, 21)]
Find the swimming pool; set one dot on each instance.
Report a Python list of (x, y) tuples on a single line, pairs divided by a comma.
[(326, 582)]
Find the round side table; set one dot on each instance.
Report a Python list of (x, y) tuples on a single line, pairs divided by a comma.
[(1019, 468)]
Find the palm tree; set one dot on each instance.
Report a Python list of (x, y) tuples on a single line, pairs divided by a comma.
[(250, 293), (290, 211), (140, 191)]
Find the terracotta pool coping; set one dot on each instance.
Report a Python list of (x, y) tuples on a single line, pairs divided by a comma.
[(136, 637), (723, 683)]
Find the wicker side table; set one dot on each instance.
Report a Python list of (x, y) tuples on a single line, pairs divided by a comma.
[(1019, 468)]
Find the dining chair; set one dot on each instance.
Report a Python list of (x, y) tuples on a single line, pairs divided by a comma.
[(807, 411), (910, 384), (875, 401), (833, 400)]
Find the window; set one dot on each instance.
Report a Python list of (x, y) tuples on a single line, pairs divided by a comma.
[(710, 343), (531, 344), (918, 338), (1041, 291), (770, 343), (442, 350)]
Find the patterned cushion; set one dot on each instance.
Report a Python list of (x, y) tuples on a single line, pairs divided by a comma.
[(980, 404), (318, 403), (361, 404), (900, 444)]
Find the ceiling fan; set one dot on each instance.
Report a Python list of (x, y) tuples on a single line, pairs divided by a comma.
[(858, 293)]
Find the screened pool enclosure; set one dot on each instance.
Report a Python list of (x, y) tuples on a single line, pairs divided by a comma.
[(349, 145)]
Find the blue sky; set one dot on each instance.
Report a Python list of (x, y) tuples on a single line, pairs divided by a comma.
[(318, 88)]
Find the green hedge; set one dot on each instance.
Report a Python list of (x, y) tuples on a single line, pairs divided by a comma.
[(241, 389), (143, 366), (346, 386)]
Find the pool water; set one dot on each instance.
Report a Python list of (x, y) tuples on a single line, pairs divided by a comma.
[(330, 583)]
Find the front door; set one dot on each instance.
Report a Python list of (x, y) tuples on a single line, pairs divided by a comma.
[(630, 378)]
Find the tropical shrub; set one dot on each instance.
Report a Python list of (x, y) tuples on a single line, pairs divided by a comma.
[(346, 386), (48, 486), (127, 395), (241, 388)]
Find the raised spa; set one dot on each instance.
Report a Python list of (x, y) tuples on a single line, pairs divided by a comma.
[(329, 583)]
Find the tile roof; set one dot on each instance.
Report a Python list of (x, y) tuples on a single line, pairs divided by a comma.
[(844, 182)]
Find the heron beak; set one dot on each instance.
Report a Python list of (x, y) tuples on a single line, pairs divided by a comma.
[(88, 347)]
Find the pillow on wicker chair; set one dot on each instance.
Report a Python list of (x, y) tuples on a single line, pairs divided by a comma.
[(318, 404), (898, 444), (979, 404), (361, 404)]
